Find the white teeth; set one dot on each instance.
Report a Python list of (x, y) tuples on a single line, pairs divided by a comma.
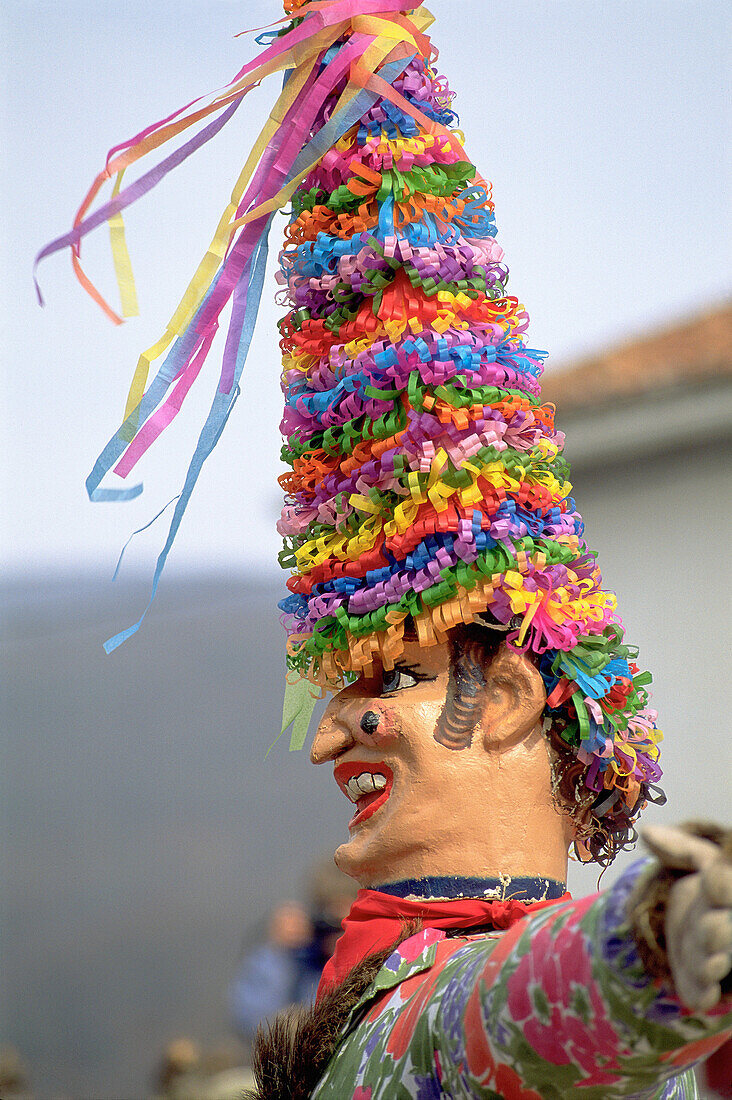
[(365, 783)]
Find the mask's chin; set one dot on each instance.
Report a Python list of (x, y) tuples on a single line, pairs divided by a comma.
[(380, 851), (360, 855), (365, 855), (347, 860)]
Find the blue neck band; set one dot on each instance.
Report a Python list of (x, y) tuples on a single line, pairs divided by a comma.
[(526, 888)]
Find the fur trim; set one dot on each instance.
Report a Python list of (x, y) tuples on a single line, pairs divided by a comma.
[(292, 1053)]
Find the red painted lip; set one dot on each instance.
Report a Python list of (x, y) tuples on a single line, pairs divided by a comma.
[(370, 803)]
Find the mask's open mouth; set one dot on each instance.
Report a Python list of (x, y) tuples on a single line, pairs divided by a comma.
[(367, 786)]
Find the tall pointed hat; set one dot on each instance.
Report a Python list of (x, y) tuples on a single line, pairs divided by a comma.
[(427, 485)]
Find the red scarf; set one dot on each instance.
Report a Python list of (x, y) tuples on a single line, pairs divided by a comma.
[(376, 920)]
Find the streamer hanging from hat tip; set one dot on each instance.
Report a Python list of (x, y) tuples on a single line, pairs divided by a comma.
[(316, 54)]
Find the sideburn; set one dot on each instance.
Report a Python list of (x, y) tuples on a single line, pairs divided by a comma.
[(471, 651)]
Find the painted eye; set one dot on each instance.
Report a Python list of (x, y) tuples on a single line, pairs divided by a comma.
[(396, 679)]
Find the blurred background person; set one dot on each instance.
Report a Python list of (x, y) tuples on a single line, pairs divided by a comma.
[(285, 968), (181, 1058), (186, 1072), (14, 1083)]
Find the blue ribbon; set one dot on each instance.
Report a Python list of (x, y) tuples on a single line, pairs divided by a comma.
[(218, 415)]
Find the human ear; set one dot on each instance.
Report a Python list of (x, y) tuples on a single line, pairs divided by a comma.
[(513, 698)]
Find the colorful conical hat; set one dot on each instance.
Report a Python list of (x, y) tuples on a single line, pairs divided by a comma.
[(427, 483)]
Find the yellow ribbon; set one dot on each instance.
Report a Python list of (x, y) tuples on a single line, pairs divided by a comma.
[(121, 258)]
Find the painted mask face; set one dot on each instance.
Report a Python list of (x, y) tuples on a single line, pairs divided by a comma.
[(379, 734), (448, 771), (411, 757)]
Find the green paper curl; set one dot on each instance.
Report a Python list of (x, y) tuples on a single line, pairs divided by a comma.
[(297, 710)]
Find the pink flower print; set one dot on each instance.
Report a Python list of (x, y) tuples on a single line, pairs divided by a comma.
[(363, 1092), (411, 949), (553, 995)]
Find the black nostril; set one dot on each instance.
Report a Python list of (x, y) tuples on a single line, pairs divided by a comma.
[(370, 722)]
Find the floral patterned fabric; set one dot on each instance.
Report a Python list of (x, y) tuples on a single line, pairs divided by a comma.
[(557, 1007)]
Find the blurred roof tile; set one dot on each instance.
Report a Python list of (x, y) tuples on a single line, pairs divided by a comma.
[(696, 353)]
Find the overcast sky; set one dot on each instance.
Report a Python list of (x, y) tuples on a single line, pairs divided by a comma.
[(602, 126)]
